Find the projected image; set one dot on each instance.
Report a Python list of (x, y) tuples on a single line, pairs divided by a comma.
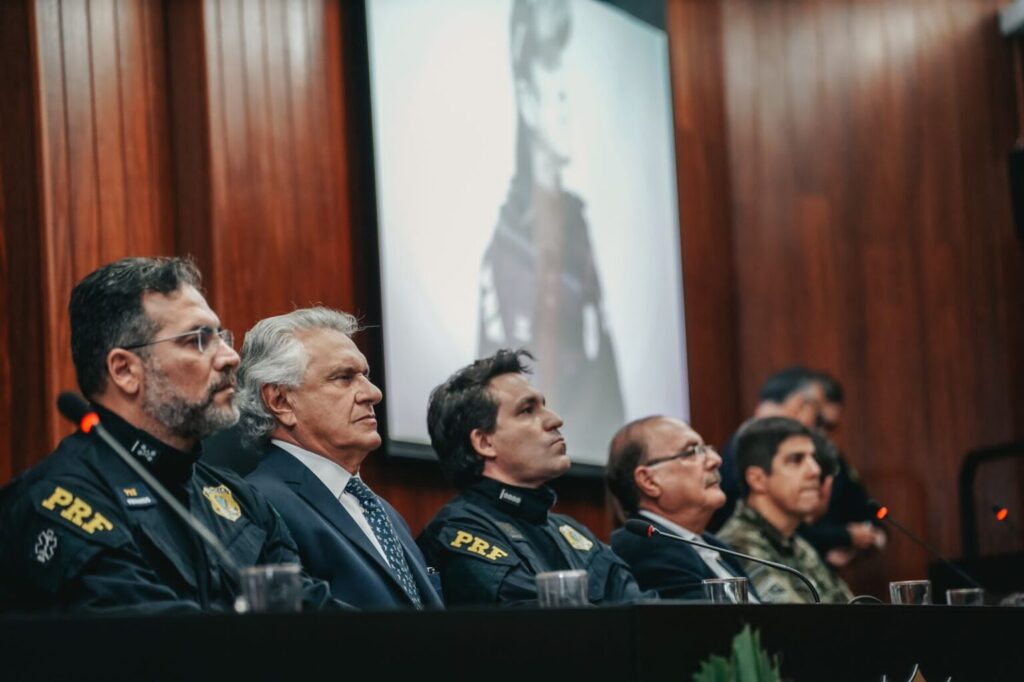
[(539, 284), (526, 199)]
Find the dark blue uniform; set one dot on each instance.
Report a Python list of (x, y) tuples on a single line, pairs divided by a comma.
[(491, 541), (80, 531)]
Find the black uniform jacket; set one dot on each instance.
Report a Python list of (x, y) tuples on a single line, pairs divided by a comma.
[(493, 539), (81, 531)]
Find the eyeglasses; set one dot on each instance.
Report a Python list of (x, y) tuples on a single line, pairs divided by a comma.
[(205, 338), (700, 450)]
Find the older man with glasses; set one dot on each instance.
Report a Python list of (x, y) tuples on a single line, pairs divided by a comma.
[(81, 531), (661, 472)]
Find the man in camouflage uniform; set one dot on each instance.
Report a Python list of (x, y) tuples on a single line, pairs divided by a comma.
[(781, 480)]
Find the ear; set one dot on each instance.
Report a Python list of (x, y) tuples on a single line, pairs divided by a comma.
[(756, 478), (125, 371), (483, 443), (275, 397), (645, 483), (526, 97)]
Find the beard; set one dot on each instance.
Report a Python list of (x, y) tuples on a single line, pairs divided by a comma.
[(193, 420)]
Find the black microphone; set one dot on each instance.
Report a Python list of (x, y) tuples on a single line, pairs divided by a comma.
[(646, 529), (74, 408), (881, 513)]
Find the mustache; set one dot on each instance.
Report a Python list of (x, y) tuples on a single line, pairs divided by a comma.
[(229, 380)]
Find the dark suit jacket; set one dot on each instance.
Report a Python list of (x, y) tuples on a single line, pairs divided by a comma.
[(331, 545), (672, 568)]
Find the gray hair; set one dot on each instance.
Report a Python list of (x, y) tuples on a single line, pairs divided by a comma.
[(272, 355)]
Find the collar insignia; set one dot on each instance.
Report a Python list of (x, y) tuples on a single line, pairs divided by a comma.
[(223, 502), (508, 496), (143, 451), (576, 539)]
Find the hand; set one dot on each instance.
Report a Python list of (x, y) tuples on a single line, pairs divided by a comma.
[(863, 535), (840, 556)]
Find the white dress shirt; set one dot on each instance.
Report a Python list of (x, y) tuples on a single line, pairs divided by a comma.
[(335, 477)]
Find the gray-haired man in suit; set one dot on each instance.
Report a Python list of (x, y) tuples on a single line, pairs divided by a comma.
[(307, 401)]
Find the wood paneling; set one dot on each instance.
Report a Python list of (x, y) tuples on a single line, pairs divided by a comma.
[(695, 30), (872, 232), (102, 156), (5, 365), (24, 312), (842, 194), (260, 155)]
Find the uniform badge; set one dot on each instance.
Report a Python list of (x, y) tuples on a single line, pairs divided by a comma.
[(223, 502), (576, 539), (46, 546)]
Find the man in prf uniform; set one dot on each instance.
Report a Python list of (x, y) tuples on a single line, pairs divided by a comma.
[(539, 284), (498, 441), (81, 531)]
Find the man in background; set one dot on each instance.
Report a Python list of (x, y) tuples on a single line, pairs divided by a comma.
[(308, 403), (661, 472), (498, 441), (795, 392), (844, 529)]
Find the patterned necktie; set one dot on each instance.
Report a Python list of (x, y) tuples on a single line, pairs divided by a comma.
[(380, 524)]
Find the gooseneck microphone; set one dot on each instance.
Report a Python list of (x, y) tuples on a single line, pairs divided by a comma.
[(75, 409), (645, 529), (881, 513)]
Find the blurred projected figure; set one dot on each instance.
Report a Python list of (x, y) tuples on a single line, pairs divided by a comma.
[(539, 286)]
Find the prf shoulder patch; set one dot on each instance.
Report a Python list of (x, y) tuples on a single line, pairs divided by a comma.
[(575, 538), (223, 502), (64, 504), (467, 542)]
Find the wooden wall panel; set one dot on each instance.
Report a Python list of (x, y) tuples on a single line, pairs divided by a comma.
[(695, 32), (261, 158), (5, 365), (872, 232), (88, 171), (19, 169), (842, 194)]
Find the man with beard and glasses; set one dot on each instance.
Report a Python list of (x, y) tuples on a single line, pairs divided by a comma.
[(81, 531)]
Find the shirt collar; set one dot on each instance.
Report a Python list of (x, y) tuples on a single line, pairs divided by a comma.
[(330, 473), (531, 504), (170, 465), (671, 526)]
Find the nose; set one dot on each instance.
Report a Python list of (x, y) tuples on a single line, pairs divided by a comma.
[(226, 357), (713, 459), (370, 393), (553, 421), (813, 468)]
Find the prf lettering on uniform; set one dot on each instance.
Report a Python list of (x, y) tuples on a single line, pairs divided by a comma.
[(477, 546), (77, 511)]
